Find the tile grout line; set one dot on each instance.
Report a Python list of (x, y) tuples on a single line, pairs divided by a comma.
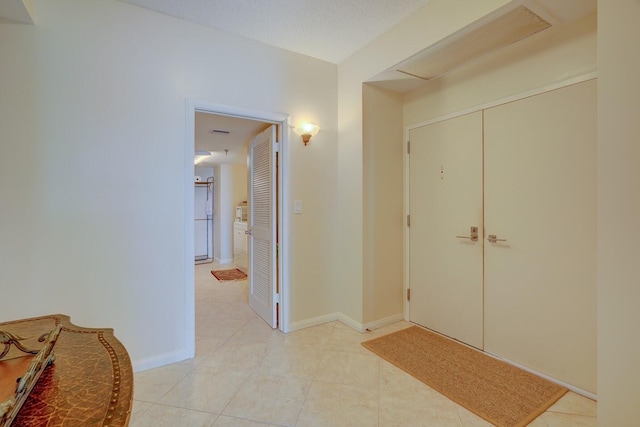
[(226, 341), (313, 379)]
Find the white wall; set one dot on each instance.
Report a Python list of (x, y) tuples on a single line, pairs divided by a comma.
[(93, 100), (314, 167), (231, 189), (239, 185), (383, 151), (618, 213), (438, 19), (203, 172), (224, 213)]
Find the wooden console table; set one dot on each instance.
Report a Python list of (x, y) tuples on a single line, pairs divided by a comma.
[(90, 383)]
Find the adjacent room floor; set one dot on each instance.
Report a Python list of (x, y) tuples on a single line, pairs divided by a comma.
[(246, 374)]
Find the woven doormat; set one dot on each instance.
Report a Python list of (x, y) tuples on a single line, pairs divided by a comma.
[(227, 275), (494, 390)]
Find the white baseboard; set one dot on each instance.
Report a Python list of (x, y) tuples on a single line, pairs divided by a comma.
[(575, 389), (350, 322), (179, 356), (224, 261), (383, 322), (160, 360), (346, 320), (307, 323)]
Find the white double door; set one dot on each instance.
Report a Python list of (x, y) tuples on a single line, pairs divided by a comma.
[(524, 174)]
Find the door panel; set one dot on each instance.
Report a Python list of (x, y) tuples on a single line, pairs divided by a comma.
[(445, 190), (540, 195), (262, 227)]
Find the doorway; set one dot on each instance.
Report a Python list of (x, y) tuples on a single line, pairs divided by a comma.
[(221, 147), (281, 177), (526, 171)]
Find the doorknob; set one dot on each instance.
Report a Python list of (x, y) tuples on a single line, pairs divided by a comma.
[(492, 238), (473, 234), (247, 232)]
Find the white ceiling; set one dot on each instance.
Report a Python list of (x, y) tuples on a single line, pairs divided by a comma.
[(241, 132), (16, 12), (331, 30)]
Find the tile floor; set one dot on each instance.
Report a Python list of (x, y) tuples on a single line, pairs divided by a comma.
[(247, 375)]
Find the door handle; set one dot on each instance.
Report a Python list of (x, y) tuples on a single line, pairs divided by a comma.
[(247, 232), (492, 238), (473, 234)]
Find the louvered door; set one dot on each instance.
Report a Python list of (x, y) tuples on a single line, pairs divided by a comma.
[(262, 227)]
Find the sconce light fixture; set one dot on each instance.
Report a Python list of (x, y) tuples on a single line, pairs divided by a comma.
[(306, 131)]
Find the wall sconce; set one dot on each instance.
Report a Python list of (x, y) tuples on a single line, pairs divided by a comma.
[(306, 131)]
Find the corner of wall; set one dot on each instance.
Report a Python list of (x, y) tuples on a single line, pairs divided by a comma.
[(140, 365), (383, 205)]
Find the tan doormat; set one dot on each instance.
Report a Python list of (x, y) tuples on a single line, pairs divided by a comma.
[(494, 390), (227, 275)]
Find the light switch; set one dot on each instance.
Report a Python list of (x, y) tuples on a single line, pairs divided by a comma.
[(297, 207)]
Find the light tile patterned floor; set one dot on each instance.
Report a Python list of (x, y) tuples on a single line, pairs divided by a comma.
[(247, 375)]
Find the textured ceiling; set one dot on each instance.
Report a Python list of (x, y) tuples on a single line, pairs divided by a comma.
[(330, 30)]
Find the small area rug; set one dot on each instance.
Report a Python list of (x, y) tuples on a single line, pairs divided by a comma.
[(494, 390), (227, 275)]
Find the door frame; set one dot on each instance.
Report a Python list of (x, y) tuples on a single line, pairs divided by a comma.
[(283, 120)]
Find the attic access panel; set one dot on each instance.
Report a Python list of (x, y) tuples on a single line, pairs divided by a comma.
[(515, 25)]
